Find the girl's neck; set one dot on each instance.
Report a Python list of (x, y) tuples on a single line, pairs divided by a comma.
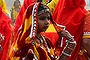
[(38, 34)]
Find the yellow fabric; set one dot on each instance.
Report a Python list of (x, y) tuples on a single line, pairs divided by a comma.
[(52, 5), (52, 51), (13, 48), (28, 40), (83, 50), (16, 58), (36, 53), (51, 28), (28, 22), (15, 13), (3, 5), (88, 36)]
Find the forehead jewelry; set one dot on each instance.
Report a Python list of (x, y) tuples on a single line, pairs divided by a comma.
[(43, 11)]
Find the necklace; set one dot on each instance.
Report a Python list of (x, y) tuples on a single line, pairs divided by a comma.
[(40, 39), (43, 42)]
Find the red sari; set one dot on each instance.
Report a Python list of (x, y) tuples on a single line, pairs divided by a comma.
[(5, 33), (71, 13)]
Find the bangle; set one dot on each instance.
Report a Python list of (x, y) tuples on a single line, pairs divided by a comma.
[(72, 42), (71, 39), (68, 50), (66, 54), (71, 45)]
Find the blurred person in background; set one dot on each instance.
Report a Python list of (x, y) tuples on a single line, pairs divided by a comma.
[(14, 10)]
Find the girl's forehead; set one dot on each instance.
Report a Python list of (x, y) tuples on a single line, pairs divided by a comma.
[(45, 14)]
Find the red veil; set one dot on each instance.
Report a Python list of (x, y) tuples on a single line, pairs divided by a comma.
[(71, 13), (19, 18), (5, 30)]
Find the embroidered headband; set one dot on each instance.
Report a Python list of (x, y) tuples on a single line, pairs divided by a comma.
[(42, 9)]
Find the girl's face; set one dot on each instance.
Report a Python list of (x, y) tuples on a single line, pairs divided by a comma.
[(43, 22)]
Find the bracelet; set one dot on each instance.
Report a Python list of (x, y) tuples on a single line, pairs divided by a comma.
[(67, 50), (66, 54), (72, 42), (71, 45), (70, 48), (71, 39)]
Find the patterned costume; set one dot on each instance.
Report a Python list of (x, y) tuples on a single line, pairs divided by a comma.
[(27, 44)]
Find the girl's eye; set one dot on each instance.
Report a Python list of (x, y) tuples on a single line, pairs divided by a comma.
[(48, 18), (44, 18)]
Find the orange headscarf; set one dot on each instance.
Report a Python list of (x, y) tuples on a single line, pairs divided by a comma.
[(71, 13)]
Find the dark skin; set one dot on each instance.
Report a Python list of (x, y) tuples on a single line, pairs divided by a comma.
[(43, 23), (86, 44), (86, 41)]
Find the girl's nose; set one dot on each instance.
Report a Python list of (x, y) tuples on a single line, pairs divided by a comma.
[(47, 21)]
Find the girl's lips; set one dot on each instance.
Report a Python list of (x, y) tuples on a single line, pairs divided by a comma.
[(45, 27)]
